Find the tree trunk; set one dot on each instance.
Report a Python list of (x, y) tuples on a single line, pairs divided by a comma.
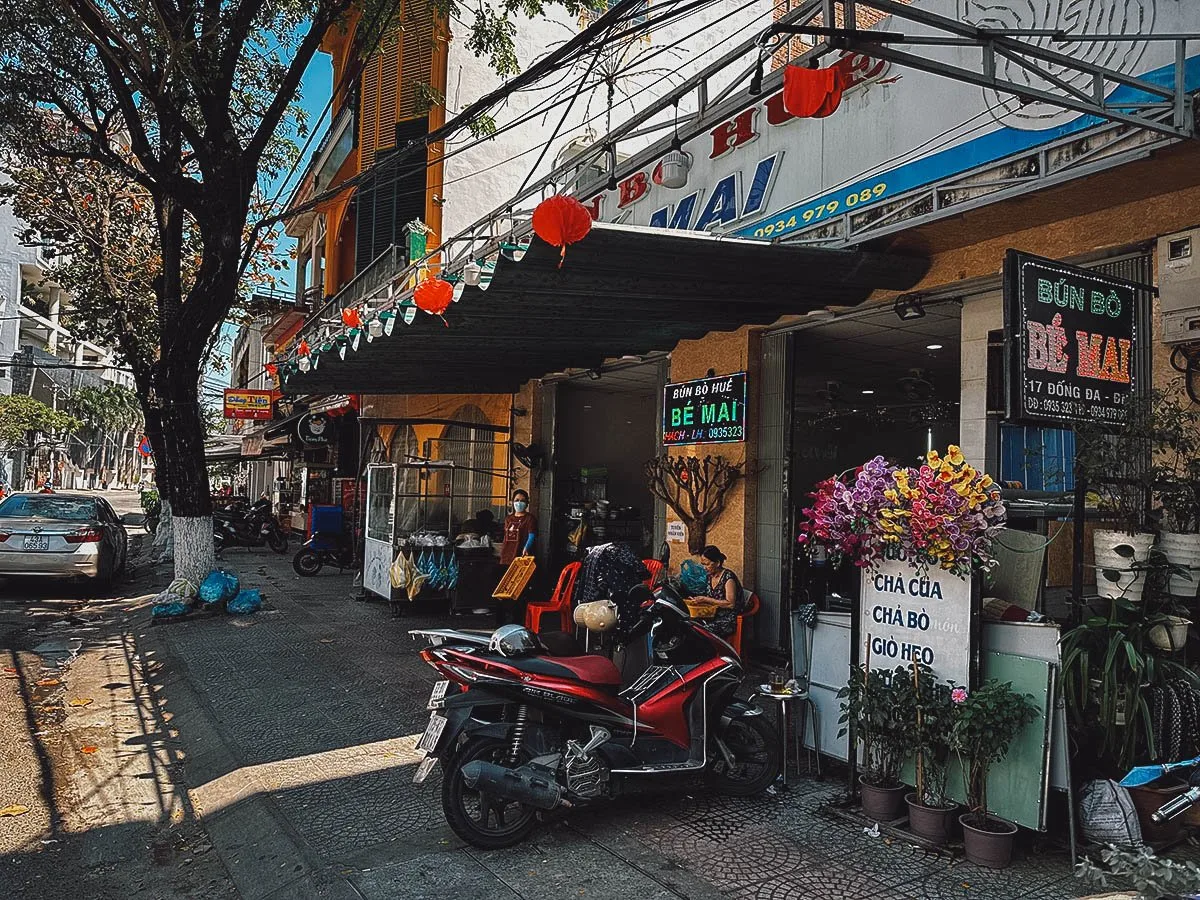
[(186, 478)]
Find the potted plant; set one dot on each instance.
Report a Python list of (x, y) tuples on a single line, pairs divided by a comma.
[(931, 814), (1176, 451), (984, 726), (880, 706)]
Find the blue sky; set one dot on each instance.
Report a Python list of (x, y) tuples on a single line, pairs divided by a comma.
[(315, 90)]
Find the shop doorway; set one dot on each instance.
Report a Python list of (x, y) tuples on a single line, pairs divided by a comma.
[(866, 385), (606, 428)]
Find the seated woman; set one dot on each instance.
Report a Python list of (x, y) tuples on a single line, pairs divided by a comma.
[(724, 590)]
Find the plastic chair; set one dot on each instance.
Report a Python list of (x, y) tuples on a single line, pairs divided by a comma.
[(750, 599), (655, 567), (559, 602)]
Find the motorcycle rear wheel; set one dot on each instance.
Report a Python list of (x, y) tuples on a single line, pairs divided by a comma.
[(277, 541), (755, 748), (307, 562), (489, 823)]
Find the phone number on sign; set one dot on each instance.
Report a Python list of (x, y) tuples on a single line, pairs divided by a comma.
[(733, 432), (821, 211)]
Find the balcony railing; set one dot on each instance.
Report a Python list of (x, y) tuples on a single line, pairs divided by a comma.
[(377, 273)]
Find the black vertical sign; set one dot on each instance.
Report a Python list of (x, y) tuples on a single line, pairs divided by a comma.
[(1073, 344)]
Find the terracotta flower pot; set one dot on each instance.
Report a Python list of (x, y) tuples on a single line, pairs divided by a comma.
[(989, 846), (1147, 798), (882, 804), (932, 823)]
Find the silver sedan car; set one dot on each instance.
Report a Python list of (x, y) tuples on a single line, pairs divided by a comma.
[(61, 535)]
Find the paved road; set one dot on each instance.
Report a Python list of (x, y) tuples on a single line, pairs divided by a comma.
[(293, 731)]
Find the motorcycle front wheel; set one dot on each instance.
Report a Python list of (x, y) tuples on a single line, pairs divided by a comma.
[(754, 744), (480, 819), (307, 562), (277, 541)]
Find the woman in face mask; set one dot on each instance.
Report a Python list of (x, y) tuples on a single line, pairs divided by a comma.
[(520, 532)]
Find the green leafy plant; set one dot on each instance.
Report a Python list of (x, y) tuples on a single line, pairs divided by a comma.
[(151, 503), (1111, 670), (984, 726), (933, 720), (1153, 877), (881, 705)]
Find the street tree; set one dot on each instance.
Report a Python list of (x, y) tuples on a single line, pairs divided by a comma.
[(184, 98), (25, 420)]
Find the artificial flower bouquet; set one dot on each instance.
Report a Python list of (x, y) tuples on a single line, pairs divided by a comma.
[(945, 514)]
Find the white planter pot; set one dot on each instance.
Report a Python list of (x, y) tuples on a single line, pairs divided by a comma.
[(1170, 637), (1129, 584), (1182, 550)]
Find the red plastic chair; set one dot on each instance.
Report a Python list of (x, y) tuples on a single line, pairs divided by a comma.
[(559, 602), (753, 604), (655, 567)]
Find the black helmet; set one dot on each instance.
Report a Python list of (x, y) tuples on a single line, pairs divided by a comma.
[(513, 640)]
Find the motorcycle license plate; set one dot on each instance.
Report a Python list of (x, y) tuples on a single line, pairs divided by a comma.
[(438, 695), (424, 769), (433, 733)]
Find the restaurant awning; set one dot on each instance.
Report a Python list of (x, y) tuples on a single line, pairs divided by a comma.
[(620, 291)]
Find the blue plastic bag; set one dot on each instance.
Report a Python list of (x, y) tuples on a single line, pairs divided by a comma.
[(693, 577), (169, 610), (246, 601), (218, 586)]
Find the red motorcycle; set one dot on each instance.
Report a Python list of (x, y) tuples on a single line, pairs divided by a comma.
[(525, 731)]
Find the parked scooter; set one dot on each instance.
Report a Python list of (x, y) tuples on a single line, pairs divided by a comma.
[(537, 732), (250, 527), (324, 548)]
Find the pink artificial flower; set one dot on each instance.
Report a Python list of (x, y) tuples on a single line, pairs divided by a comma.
[(959, 695)]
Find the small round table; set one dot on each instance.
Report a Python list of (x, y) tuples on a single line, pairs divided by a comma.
[(783, 698)]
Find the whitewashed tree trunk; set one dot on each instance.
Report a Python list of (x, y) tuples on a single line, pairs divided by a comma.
[(194, 554)]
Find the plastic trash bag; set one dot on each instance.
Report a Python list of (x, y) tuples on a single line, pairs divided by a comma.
[(170, 608), (182, 588), (1107, 815), (218, 586), (693, 578), (245, 602)]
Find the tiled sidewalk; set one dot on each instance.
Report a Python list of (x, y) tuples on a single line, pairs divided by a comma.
[(297, 726)]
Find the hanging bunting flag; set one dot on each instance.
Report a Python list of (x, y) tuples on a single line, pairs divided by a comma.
[(303, 349), (351, 318), (560, 221), (271, 369), (812, 93)]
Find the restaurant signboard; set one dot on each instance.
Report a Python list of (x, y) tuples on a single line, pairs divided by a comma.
[(1074, 349), (248, 404), (705, 411)]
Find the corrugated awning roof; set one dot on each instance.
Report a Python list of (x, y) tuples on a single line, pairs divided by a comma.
[(620, 291)]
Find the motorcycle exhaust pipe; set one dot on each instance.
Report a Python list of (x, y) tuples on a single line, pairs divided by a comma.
[(524, 785)]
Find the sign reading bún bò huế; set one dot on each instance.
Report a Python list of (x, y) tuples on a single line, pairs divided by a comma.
[(705, 411), (1075, 353)]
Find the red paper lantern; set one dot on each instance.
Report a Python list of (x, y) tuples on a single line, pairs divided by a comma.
[(303, 349), (271, 369), (434, 296), (351, 318), (560, 221), (812, 93)]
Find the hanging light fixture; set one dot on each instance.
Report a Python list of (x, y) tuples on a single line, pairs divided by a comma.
[(675, 164), (374, 329), (304, 363), (472, 273)]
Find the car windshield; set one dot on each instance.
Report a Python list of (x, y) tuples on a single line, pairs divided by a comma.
[(63, 509)]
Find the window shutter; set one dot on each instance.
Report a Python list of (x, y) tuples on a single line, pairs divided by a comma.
[(368, 120)]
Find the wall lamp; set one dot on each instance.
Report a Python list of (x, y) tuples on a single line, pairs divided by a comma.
[(909, 307)]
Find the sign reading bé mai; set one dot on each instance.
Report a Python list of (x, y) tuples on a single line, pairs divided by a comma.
[(705, 411), (1075, 349), (908, 616)]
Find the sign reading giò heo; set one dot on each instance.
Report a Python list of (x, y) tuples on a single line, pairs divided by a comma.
[(908, 615)]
